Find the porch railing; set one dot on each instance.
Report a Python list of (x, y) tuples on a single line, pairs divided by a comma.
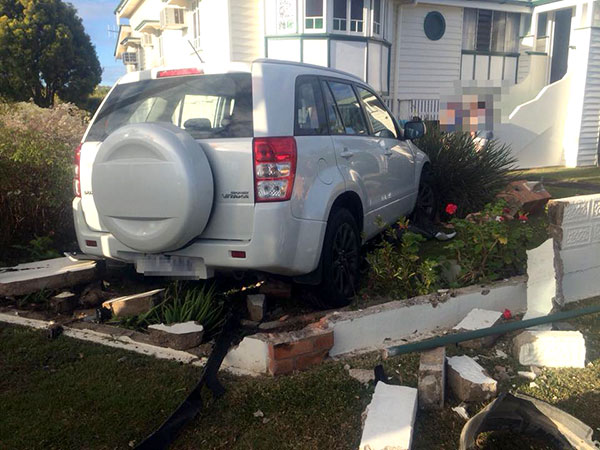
[(426, 109)]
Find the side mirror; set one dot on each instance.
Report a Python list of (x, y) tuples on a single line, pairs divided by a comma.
[(414, 129)]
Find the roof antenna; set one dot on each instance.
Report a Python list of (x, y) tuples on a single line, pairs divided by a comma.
[(195, 51)]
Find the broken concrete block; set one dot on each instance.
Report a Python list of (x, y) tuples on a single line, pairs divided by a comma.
[(390, 418), (64, 303), (93, 295), (575, 226), (179, 336), (257, 307), (51, 274), (541, 282), (550, 348), (132, 305), (432, 379), (469, 381), (476, 320), (276, 289), (529, 196), (364, 376)]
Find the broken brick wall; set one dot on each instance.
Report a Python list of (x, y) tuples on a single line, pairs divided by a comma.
[(575, 225)]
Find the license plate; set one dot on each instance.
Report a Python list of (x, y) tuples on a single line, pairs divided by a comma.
[(175, 266)]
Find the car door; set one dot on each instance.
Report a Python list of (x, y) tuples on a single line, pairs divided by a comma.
[(359, 156), (400, 158)]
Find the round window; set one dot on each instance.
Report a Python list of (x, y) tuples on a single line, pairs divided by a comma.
[(435, 25)]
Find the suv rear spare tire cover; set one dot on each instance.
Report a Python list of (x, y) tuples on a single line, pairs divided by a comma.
[(153, 186)]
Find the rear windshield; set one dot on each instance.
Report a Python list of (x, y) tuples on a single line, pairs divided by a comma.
[(207, 106)]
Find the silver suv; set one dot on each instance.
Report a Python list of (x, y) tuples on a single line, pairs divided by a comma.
[(277, 167)]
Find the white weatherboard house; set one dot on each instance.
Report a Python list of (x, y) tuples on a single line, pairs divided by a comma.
[(525, 72)]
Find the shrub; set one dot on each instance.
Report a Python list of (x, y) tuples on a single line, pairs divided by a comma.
[(397, 270), (488, 246), (462, 172), (36, 157)]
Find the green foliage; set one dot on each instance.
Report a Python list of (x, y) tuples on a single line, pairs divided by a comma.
[(35, 187), (199, 304), (40, 248), (396, 269), (45, 51), (92, 102), (488, 246), (462, 172)]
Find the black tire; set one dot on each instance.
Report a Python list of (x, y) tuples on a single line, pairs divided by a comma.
[(340, 260), (426, 206)]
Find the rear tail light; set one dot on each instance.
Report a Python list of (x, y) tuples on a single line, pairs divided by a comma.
[(77, 172), (274, 168), (178, 72)]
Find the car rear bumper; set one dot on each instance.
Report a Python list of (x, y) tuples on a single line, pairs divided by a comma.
[(281, 244)]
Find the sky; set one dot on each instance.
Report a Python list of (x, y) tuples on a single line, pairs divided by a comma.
[(97, 16)]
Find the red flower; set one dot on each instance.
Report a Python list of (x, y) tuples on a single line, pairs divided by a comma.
[(451, 208), (507, 314), (523, 217)]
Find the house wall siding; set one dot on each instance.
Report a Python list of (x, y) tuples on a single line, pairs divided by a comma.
[(426, 68), (590, 123), (246, 25)]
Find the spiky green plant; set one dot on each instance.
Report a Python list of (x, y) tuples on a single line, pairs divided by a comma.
[(464, 173)]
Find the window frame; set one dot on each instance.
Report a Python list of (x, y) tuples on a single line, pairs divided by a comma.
[(373, 21), (349, 20), (320, 104), (360, 106), (399, 133), (314, 19)]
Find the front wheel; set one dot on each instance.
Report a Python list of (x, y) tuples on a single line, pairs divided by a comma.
[(340, 259), (426, 204)]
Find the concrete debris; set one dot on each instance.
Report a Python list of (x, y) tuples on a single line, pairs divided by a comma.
[(132, 305), (550, 348), (533, 384), (461, 410), (501, 374), (528, 375), (476, 320), (541, 282), (179, 336), (276, 289), (469, 381), (257, 307), (362, 375), (390, 418), (93, 295), (432, 379), (51, 274), (64, 303), (258, 413), (528, 196), (500, 354)]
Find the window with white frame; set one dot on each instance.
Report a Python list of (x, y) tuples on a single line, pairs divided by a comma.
[(352, 9), (313, 15), (196, 23), (286, 16), (376, 16), (491, 31), (130, 58)]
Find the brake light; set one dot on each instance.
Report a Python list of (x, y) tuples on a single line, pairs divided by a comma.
[(77, 172), (274, 168), (178, 72)]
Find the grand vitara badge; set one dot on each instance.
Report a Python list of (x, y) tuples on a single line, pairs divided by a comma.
[(236, 195)]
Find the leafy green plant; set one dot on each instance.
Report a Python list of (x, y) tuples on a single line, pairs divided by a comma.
[(40, 248), (463, 172), (181, 304), (488, 246), (395, 267)]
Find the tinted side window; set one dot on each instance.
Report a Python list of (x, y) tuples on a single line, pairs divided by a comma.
[(333, 117), (310, 112), (381, 121), (349, 108)]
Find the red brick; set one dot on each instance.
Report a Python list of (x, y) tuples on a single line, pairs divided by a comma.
[(290, 349), (281, 366), (305, 361), (324, 341)]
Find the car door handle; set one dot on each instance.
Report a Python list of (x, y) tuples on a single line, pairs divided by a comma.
[(346, 153), (388, 152)]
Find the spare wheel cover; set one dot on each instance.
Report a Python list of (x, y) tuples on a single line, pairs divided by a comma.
[(153, 186)]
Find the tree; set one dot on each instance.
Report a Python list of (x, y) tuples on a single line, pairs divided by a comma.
[(44, 51)]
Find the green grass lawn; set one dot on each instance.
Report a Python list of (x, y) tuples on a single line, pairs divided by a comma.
[(566, 182), (70, 394)]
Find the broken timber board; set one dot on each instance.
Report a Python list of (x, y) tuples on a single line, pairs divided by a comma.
[(55, 273)]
